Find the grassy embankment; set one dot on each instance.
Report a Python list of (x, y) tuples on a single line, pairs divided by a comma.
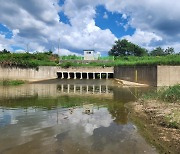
[(11, 82), (27, 60), (168, 95), (132, 61), (157, 115)]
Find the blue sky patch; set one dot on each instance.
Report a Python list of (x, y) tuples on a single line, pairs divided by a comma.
[(5, 31), (14, 47), (112, 21), (64, 18)]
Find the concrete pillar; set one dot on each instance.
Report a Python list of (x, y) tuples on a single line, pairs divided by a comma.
[(94, 75), (74, 88), (100, 76), (87, 89), (107, 75), (81, 89), (81, 75), (107, 89), (74, 75), (62, 75), (69, 75), (68, 88), (136, 75), (87, 75), (62, 88), (100, 88)]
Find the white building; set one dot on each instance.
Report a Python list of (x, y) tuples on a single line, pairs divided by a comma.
[(91, 55)]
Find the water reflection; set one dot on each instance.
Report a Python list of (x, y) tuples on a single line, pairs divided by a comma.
[(52, 118)]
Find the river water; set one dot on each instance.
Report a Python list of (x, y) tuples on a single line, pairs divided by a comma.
[(69, 117)]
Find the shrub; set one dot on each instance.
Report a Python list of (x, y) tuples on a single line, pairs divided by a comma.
[(172, 94)]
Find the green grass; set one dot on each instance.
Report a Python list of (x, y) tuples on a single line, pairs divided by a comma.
[(27, 60), (11, 82), (71, 57), (171, 94), (132, 61)]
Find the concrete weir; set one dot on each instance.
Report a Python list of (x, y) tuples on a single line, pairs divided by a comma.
[(83, 75), (53, 72), (150, 75), (86, 73)]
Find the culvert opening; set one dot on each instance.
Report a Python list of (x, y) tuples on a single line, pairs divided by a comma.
[(90, 75), (110, 75), (84, 75), (65, 75), (59, 75), (103, 75), (97, 75), (78, 75), (71, 75)]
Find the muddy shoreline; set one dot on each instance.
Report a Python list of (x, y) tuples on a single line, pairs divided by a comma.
[(151, 118)]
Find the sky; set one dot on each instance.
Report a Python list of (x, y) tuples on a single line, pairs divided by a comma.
[(77, 25)]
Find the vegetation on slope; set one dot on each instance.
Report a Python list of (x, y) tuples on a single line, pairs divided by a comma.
[(131, 61), (11, 82), (170, 110), (170, 94), (28, 60)]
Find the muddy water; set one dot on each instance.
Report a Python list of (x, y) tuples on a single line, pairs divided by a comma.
[(50, 117)]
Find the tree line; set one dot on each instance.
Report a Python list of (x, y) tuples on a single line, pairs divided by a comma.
[(125, 48)]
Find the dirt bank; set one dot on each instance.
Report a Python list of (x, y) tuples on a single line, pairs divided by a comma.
[(159, 122)]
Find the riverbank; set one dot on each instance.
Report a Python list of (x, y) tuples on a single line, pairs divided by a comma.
[(11, 82), (158, 119)]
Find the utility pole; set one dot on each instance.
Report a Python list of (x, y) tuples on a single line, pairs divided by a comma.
[(59, 48)]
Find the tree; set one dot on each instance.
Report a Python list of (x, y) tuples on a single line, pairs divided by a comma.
[(169, 51), (4, 51), (126, 48), (157, 52)]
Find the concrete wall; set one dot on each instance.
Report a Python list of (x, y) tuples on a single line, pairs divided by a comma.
[(139, 74), (151, 75), (168, 75), (44, 72)]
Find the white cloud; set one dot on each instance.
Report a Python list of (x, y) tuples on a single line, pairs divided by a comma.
[(64, 52), (4, 43), (105, 16), (37, 22), (158, 17), (100, 118), (15, 32), (143, 38), (124, 16)]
